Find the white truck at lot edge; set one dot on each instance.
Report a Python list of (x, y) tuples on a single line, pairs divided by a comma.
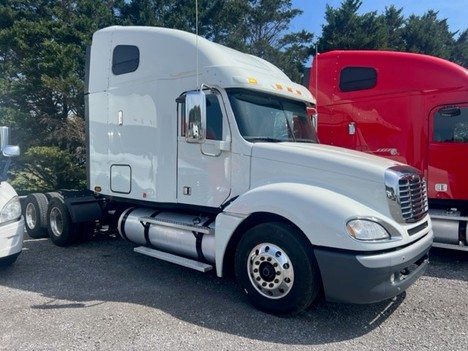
[(11, 221), (208, 158)]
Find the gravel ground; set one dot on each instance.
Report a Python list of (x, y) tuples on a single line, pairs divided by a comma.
[(102, 296)]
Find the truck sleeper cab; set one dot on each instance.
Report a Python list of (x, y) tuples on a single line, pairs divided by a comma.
[(410, 108), (217, 166), (11, 221)]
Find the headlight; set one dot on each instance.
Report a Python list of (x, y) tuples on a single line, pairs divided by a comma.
[(365, 229), (11, 211)]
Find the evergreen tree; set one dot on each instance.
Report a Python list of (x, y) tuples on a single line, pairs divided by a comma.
[(394, 23), (428, 35), (266, 25), (346, 28), (460, 52), (42, 55)]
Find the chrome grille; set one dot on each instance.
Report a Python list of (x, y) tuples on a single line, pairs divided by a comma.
[(413, 198), (406, 193)]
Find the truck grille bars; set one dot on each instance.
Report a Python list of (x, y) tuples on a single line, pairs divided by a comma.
[(406, 193), (413, 197)]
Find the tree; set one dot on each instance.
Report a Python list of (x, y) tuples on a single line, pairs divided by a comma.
[(42, 55), (266, 24), (428, 35), (346, 29), (425, 34), (394, 23), (258, 27), (47, 168), (460, 53)]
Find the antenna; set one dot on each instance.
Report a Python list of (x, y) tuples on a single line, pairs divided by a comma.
[(316, 75), (196, 38)]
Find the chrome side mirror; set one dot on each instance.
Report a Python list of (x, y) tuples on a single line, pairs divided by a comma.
[(7, 150), (195, 113)]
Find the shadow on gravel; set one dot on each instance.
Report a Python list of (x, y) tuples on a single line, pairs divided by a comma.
[(439, 258), (106, 269)]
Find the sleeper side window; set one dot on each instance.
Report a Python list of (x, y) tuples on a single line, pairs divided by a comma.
[(357, 78), (125, 59)]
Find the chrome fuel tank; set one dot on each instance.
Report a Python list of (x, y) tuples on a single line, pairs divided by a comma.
[(176, 233)]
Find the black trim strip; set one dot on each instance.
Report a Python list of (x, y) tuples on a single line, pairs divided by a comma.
[(199, 240), (462, 238), (198, 246), (147, 227), (122, 224), (418, 229)]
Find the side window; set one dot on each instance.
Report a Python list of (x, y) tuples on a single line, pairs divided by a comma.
[(451, 125), (214, 118), (181, 116), (357, 78), (125, 59)]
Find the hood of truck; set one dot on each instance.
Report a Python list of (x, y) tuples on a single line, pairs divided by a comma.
[(357, 175), (6, 193)]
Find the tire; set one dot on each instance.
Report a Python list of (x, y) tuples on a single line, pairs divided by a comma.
[(276, 268), (35, 215), (52, 194), (62, 231)]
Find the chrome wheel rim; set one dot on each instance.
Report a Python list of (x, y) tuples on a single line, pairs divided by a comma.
[(56, 221), (270, 271), (31, 216)]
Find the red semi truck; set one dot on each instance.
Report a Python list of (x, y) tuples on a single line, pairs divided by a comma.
[(408, 107)]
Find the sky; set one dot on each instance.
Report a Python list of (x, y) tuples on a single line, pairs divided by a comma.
[(455, 11)]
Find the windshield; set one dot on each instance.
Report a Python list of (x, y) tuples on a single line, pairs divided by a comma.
[(263, 117)]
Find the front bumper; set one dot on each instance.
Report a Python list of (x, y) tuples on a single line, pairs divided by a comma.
[(11, 238), (361, 278)]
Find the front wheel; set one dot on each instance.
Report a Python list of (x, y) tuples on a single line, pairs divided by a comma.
[(276, 268)]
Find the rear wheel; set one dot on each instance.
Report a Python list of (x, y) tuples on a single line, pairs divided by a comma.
[(35, 215), (62, 231), (276, 269)]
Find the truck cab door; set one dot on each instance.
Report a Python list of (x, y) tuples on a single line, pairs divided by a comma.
[(203, 150), (448, 147)]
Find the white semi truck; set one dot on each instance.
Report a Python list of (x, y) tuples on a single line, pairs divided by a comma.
[(207, 157), (11, 220)]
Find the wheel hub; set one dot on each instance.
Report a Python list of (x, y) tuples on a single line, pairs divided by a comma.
[(267, 271), (270, 270), (31, 216), (56, 221)]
